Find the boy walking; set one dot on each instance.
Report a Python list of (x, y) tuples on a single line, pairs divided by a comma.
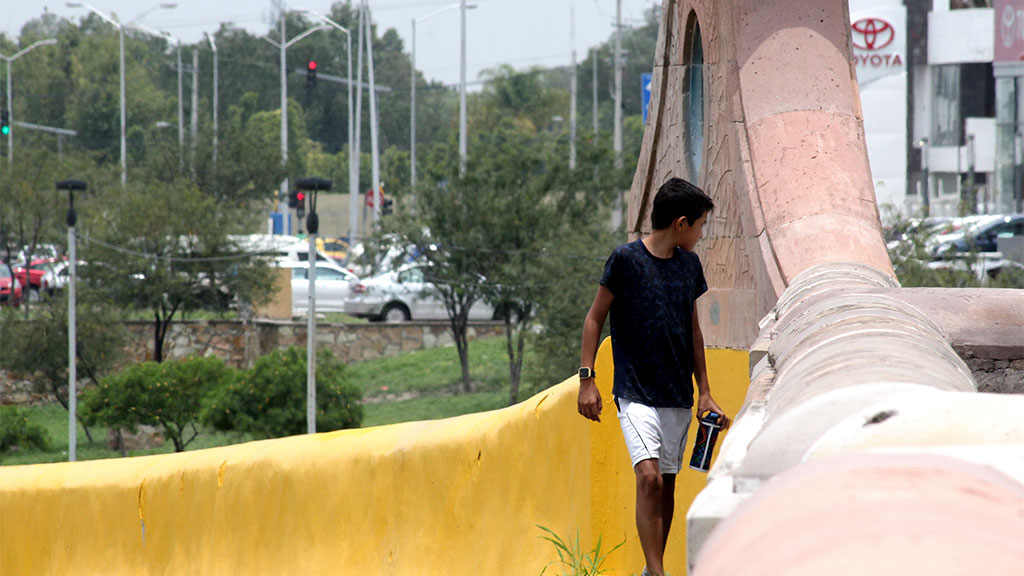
[(650, 286)]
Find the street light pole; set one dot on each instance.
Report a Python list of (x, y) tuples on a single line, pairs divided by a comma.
[(353, 166), (572, 87), (120, 30), (617, 128), (312, 186), (282, 207), (216, 83), (71, 186), (412, 113), (10, 108), (374, 137), (181, 106), (462, 92), (181, 109)]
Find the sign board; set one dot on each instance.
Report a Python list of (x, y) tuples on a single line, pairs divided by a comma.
[(1009, 31), (645, 93), (879, 37)]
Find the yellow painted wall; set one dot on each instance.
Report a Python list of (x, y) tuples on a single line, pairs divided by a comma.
[(448, 497)]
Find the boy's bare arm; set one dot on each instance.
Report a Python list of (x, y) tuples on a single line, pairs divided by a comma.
[(705, 402), (589, 400)]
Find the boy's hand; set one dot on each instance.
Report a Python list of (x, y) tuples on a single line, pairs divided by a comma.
[(705, 403), (589, 401)]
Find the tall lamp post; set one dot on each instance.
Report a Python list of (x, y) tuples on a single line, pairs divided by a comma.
[(412, 107), (311, 185), (283, 46), (181, 104), (10, 117), (216, 82), (462, 91), (353, 169), (71, 186), (120, 29)]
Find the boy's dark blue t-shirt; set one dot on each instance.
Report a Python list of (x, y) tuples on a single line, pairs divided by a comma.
[(651, 317)]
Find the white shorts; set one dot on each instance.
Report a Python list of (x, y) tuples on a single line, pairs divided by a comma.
[(654, 433)]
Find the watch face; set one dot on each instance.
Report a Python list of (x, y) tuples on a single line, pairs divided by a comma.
[(586, 373)]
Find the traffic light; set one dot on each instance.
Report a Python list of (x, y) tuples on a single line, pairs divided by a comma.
[(311, 74), (300, 208), (5, 123), (293, 199)]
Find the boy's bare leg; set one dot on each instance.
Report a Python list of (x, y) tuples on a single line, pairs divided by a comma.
[(649, 519), (668, 505)]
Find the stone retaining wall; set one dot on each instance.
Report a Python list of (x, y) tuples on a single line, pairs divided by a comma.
[(239, 344)]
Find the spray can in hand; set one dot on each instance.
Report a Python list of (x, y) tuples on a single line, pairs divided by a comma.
[(707, 435)]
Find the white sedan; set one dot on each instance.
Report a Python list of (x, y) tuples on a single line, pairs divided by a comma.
[(333, 284), (404, 294)]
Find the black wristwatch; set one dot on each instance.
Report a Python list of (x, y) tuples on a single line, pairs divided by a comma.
[(587, 373)]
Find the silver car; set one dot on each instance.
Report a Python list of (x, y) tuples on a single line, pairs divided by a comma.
[(333, 284), (404, 294)]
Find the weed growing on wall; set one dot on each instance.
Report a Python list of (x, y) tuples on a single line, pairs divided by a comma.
[(572, 560)]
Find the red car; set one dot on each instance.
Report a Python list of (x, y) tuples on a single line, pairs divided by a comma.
[(35, 272), (8, 284)]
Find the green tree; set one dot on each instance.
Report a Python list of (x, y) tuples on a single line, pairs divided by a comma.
[(269, 400), (168, 395), (40, 346), (165, 248)]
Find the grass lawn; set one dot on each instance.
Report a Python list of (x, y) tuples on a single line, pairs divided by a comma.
[(422, 385)]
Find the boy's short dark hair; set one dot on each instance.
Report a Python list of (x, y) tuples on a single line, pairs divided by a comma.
[(676, 198)]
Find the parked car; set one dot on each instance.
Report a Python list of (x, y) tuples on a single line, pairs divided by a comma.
[(333, 284), (10, 288), (36, 276), (56, 277), (404, 294), (334, 247), (279, 247), (980, 235)]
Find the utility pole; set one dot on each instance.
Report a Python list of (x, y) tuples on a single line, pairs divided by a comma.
[(356, 148), (181, 110), (412, 113), (594, 60), (375, 154), (213, 46), (617, 134), (462, 92), (282, 207), (572, 87), (195, 107)]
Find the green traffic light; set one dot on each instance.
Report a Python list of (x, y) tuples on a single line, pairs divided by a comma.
[(5, 130)]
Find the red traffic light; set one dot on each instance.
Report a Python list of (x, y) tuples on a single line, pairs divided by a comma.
[(300, 196), (311, 65)]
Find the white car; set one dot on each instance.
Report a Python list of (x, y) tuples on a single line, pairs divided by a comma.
[(404, 294), (333, 284), (279, 247)]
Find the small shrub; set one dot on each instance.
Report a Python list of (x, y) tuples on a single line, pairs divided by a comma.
[(17, 433), (269, 400), (167, 394)]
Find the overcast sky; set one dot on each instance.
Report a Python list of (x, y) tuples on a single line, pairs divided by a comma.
[(521, 33)]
